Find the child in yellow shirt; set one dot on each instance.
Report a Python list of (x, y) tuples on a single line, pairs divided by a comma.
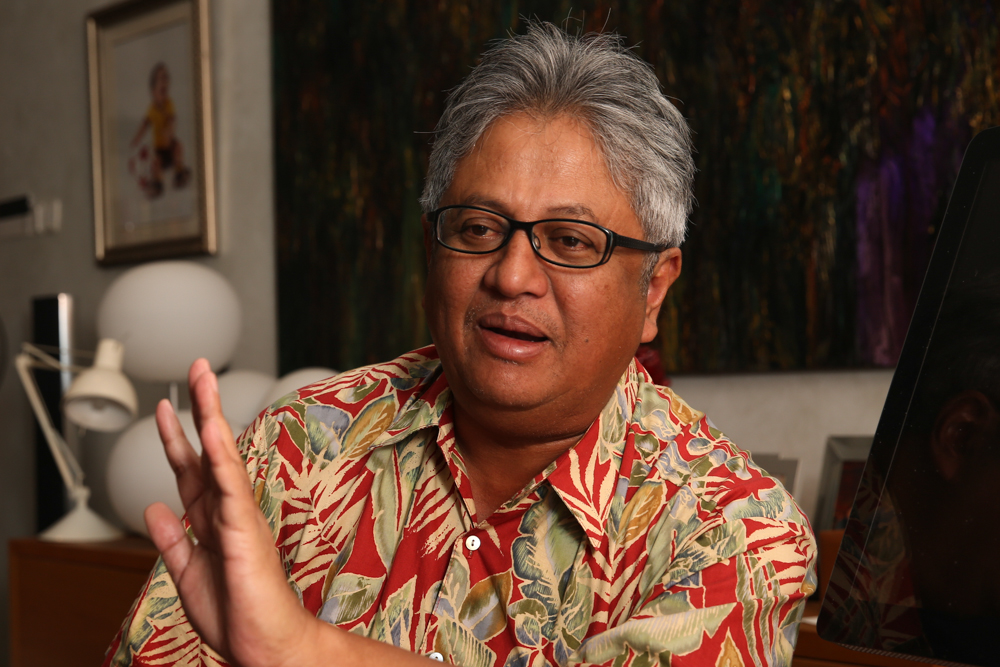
[(168, 153)]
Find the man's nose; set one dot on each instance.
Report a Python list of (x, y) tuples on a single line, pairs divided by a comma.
[(517, 269)]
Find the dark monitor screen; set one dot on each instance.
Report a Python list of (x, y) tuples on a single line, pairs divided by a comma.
[(918, 573)]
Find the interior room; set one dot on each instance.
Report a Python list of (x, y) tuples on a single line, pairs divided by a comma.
[(772, 401)]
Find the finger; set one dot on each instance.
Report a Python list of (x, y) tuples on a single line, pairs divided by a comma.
[(198, 369), (170, 538), (206, 397), (222, 463), (184, 461)]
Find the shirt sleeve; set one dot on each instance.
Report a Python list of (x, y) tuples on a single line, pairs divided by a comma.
[(741, 609)]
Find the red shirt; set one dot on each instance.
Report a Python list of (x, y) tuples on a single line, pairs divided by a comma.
[(652, 539)]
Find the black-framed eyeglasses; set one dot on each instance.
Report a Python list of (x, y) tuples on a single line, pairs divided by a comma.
[(572, 243)]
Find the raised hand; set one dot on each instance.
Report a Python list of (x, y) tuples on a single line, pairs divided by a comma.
[(230, 579)]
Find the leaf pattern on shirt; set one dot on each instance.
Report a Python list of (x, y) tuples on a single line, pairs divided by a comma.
[(348, 598), (654, 537), (484, 610)]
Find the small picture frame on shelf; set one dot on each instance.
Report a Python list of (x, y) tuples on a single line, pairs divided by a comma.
[(783, 470), (151, 130), (843, 463)]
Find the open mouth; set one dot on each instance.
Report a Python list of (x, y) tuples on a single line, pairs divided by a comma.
[(519, 335)]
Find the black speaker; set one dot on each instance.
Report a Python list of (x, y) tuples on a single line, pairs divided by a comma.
[(52, 327)]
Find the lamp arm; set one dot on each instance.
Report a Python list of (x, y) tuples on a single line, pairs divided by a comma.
[(42, 359), (69, 468)]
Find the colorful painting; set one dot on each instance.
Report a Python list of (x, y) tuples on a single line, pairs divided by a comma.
[(828, 136)]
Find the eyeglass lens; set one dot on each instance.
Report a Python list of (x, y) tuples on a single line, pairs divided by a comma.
[(562, 241)]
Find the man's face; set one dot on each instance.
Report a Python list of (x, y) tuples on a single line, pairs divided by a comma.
[(515, 332)]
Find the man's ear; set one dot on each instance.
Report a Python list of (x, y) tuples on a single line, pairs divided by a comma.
[(667, 269), (961, 425)]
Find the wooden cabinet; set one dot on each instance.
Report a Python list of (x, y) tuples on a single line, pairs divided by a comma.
[(67, 601)]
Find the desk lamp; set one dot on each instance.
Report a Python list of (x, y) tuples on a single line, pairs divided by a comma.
[(101, 398)]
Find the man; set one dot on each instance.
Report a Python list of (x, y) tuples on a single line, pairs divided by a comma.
[(520, 493)]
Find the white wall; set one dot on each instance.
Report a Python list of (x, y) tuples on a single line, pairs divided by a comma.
[(790, 414), (45, 151)]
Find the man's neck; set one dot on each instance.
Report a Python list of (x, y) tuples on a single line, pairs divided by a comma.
[(500, 462)]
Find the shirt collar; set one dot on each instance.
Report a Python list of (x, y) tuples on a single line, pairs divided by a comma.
[(586, 477), (423, 408)]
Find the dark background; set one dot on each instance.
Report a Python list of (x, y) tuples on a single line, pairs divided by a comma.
[(828, 133)]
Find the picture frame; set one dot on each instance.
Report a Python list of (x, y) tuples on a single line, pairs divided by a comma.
[(151, 130), (783, 470), (843, 464)]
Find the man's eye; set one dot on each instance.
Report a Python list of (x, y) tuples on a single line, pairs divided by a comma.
[(480, 230), (570, 240)]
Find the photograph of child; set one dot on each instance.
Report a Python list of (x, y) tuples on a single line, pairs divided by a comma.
[(168, 152), (153, 132)]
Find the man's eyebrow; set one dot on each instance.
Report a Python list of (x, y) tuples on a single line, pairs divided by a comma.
[(573, 211), (566, 210)]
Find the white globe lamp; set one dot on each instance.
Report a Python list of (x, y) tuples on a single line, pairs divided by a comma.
[(241, 393), (139, 473), (167, 314)]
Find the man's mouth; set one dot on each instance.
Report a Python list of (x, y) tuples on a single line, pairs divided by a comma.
[(512, 327), (519, 335)]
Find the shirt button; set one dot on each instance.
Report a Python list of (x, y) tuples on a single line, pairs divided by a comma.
[(472, 543), (436, 656)]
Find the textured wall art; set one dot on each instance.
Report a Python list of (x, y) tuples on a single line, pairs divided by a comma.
[(828, 136)]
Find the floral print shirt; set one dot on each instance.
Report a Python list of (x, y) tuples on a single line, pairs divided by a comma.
[(652, 540)]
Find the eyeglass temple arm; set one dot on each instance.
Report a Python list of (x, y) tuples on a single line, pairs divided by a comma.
[(636, 244)]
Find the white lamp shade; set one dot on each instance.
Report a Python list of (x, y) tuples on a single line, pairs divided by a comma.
[(167, 314), (101, 398), (295, 380), (241, 393), (139, 473)]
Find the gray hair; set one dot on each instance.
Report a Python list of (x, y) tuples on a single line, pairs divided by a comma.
[(644, 138)]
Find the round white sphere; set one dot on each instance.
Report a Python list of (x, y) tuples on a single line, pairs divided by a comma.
[(139, 473), (167, 314), (241, 393), (295, 380)]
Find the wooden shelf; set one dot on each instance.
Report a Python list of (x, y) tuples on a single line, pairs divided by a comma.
[(67, 601)]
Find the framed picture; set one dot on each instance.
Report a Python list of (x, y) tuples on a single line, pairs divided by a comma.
[(843, 463), (151, 130), (781, 469)]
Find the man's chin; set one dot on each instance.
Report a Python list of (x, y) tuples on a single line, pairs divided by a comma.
[(509, 386)]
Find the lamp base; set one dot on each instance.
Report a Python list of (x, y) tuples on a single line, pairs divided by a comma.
[(82, 524)]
